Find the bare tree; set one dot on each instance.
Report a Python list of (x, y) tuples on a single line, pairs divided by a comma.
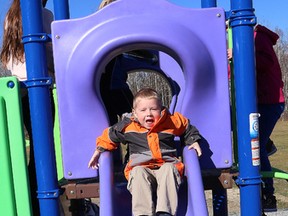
[(148, 78), (281, 49), (4, 72)]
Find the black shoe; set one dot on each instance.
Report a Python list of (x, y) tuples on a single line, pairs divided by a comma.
[(269, 204), (270, 147)]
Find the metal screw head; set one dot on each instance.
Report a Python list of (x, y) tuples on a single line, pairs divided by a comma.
[(226, 161), (218, 15), (10, 84), (70, 173), (57, 36)]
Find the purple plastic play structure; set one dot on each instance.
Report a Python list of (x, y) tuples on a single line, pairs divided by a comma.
[(196, 41)]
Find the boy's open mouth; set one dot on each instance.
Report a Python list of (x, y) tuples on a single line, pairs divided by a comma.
[(149, 121)]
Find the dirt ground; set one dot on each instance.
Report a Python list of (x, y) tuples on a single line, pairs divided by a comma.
[(234, 203)]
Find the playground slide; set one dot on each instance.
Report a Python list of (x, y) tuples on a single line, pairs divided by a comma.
[(116, 200)]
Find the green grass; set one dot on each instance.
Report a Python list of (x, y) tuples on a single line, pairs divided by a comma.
[(280, 160)]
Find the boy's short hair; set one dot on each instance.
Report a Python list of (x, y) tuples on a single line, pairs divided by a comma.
[(147, 93)]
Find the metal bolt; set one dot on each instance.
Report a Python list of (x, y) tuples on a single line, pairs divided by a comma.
[(218, 15), (225, 182), (226, 161), (70, 173), (57, 36), (10, 84), (72, 192)]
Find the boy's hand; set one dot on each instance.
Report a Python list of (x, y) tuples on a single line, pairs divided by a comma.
[(93, 163), (196, 146)]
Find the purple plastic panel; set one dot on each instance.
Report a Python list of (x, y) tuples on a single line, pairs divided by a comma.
[(195, 38)]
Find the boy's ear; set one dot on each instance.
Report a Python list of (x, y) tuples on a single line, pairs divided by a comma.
[(133, 113)]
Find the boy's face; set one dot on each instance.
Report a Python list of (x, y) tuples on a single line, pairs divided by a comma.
[(148, 112)]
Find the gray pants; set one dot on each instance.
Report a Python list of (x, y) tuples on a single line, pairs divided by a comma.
[(145, 183)]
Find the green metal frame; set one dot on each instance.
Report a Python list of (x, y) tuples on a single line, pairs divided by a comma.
[(232, 99), (57, 139), (275, 173), (15, 198)]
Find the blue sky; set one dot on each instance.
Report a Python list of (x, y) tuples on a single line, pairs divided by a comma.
[(269, 12)]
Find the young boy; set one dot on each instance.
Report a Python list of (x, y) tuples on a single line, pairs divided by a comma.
[(153, 168)]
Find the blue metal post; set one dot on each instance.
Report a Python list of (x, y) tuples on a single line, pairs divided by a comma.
[(208, 3), (242, 21), (61, 9), (40, 107)]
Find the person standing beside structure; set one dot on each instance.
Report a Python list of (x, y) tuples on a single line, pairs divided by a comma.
[(270, 102)]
